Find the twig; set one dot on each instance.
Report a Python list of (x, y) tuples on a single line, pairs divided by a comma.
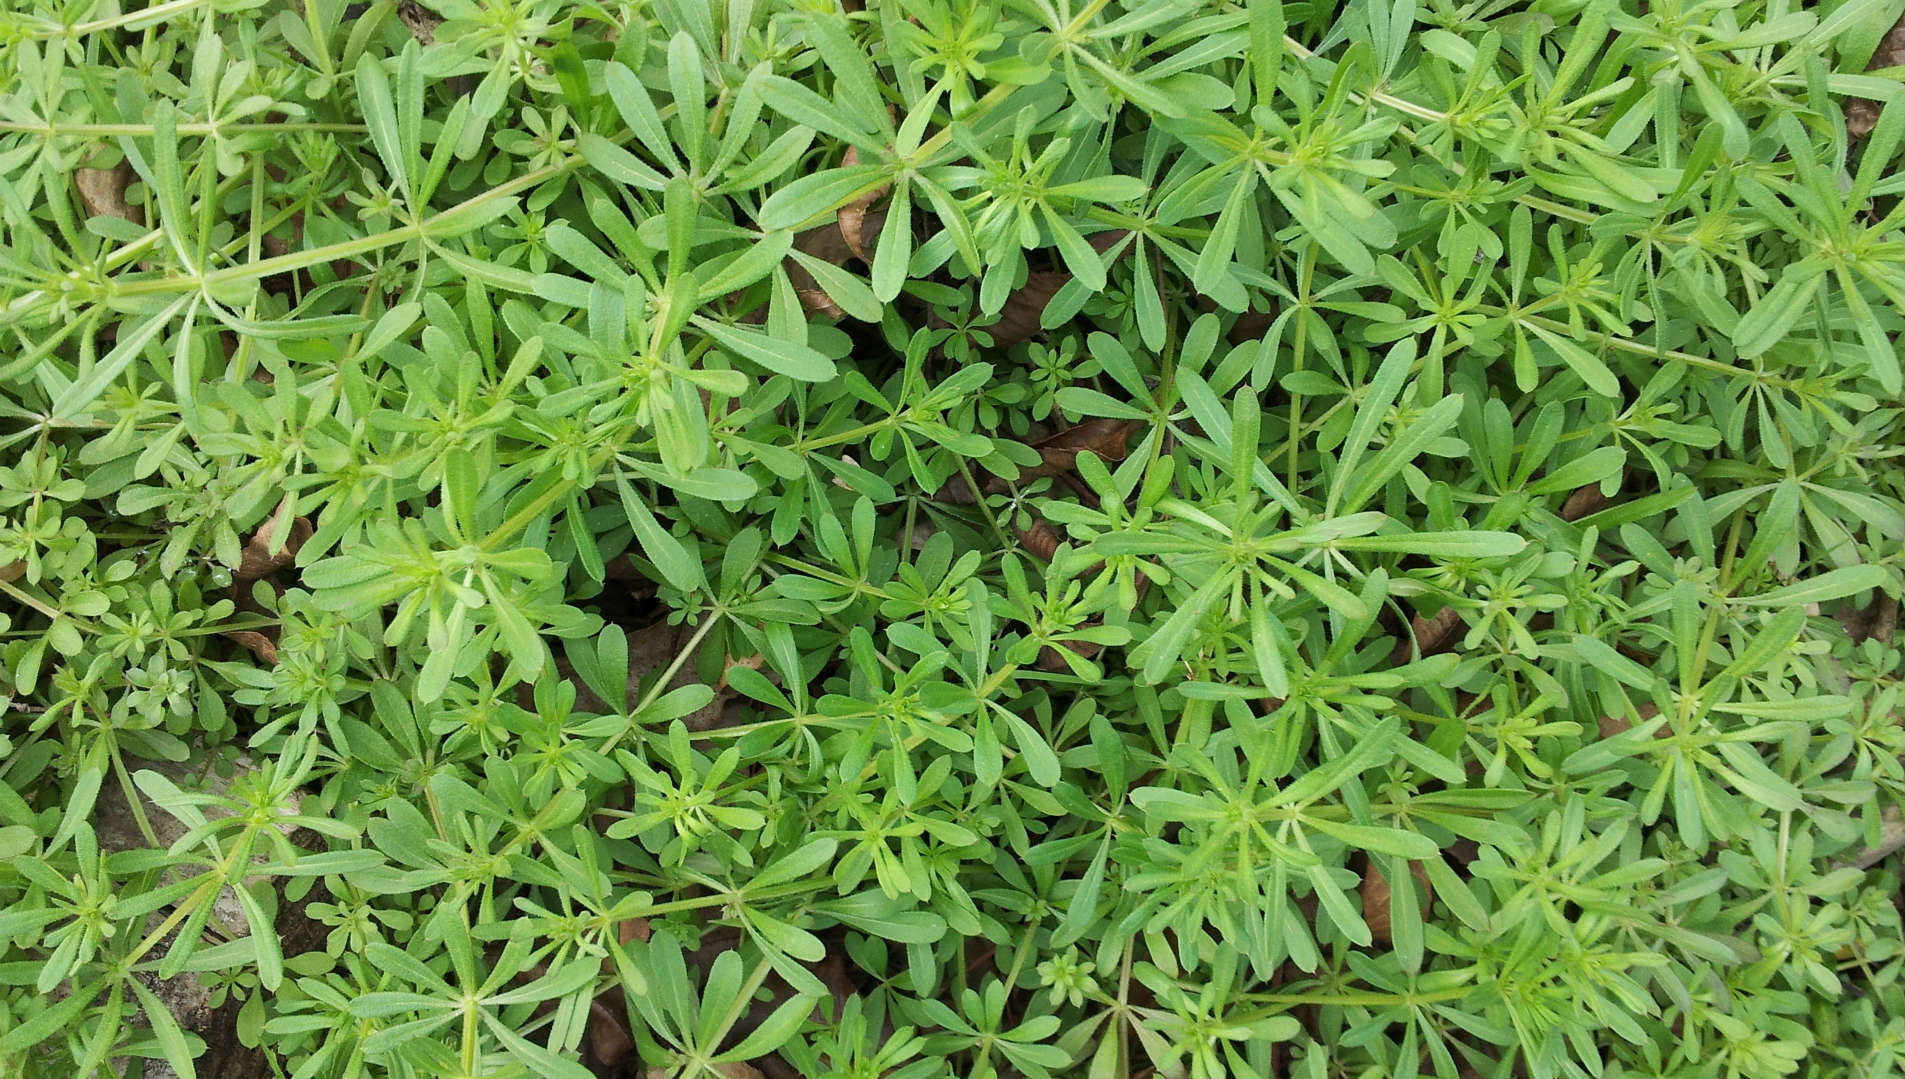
[(1891, 840)]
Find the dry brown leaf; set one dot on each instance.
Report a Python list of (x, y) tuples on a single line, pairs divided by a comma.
[(829, 243), (263, 556), (1584, 501), (1252, 325), (848, 236), (1861, 114), (752, 663), (1613, 725), (422, 22), (260, 645), (1436, 634), (1376, 893), (627, 929), (1109, 439), (852, 219), (1432, 635), (822, 242), (607, 1037), (1040, 539), (104, 192), (1058, 454), (13, 571), (258, 561), (1876, 621), (1376, 903), (1049, 658), (1019, 318)]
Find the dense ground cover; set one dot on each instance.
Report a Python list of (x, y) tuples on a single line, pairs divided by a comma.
[(980, 537)]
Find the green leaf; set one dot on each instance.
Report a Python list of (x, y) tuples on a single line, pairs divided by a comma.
[(1336, 907), (1582, 362), (380, 118), (1372, 410), (768, 165), (1269, 644), (264, 938), (1833, 584), (1040, 762), (677, 567), (1844, 17), (803, 106), (1083, 909), (895, 246), (1213, 260), (79, 804), (1373, 747), (1477, 544), (1576, 472), (92, 383), (638, 112), (618, 164), (796, 361), (871, 912), (1162, 649), (1769, 320), (1135, 90), (853, 294), (1102, 189), (804, 201), (846, 61), (809, 858), (1763, 652), (749, 266), (1431, 424), (1377, 840), (775, 1031), (181, 1050), (390, 326), (1613, 664), (460, 486), (46, 1022)]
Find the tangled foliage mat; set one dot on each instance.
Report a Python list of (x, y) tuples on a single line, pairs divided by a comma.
[(922, 538)]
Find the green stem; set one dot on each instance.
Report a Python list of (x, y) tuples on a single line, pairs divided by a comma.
[(155, 13), (1281, 1002), (979, 499), (1402, 105), (44, 607), (204, 893), (50, 130), (661, 684), (852, 435), (1635, 348), (521, 518)]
